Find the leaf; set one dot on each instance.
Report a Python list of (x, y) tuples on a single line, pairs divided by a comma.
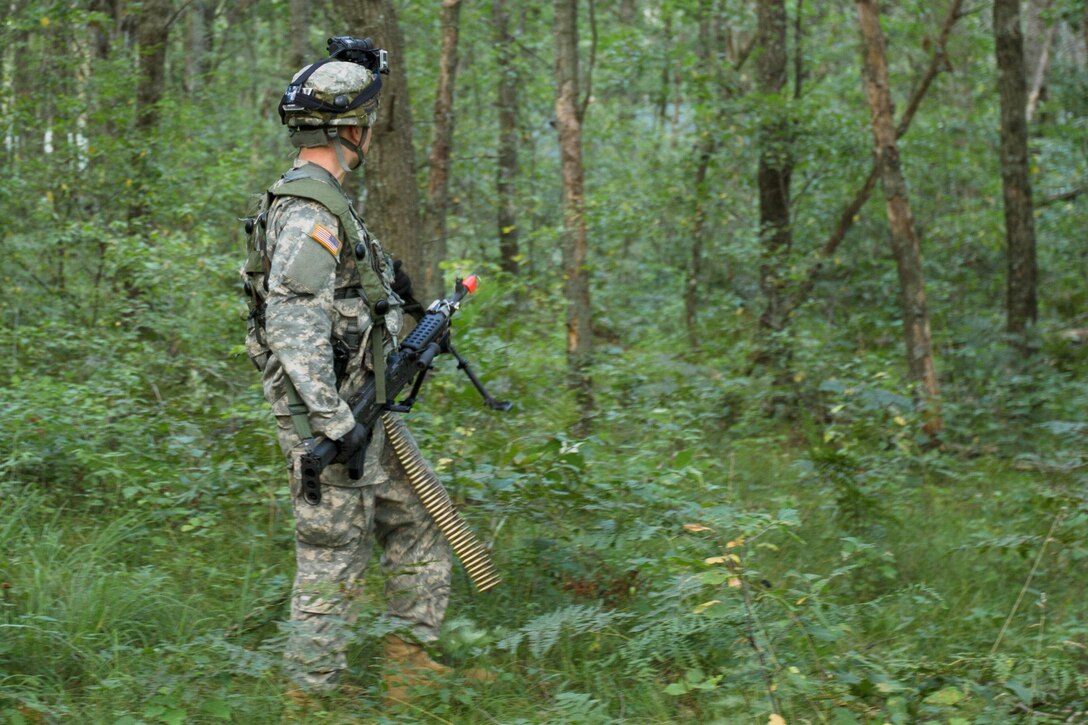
[(715, 560), (697, 527), (217, 709), (844, 717), (1020, 690), (947, 696), (174, 717), (706, 605), (776, 719), (676, 688)]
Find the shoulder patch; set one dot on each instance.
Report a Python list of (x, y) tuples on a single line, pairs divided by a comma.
[(327, 239)]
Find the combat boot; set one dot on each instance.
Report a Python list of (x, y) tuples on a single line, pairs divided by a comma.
[(478, 674), (407, 666), (299, 706)]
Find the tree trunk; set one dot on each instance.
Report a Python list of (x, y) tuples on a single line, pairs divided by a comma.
[(662, 99), (704, 151), (438, 185), (300, 36), (102, 33), (506, 182), (196, 50), (392, 196), (575, 243), (905, 247), (798, 51), (938, 61), (1038, 38), (775, 163), (1021, 304), (1038, 77), (152, 35)]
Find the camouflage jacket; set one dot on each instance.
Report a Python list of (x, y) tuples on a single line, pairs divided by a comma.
[(316, 317)]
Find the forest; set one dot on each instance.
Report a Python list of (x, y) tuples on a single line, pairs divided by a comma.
[(789, 298)]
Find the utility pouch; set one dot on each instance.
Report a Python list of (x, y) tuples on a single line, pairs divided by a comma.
[(254, 273), (341, 357)]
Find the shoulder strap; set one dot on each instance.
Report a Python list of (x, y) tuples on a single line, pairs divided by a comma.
[(310, 181), (306, 182)]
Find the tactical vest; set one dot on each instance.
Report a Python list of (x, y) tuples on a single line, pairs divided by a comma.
[(371, 282)]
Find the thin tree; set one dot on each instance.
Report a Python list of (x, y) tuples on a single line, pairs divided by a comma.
[(904, 240), (705, 147), (438, 184), (507, 171), (153, 33), (1021, 296), (300, 23), (392, 195), (1039, 35), (938, 62), (568, 118), (775, 162), (200, 19), (102, 33)]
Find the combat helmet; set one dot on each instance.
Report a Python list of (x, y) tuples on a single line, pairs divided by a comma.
[(341, 90)]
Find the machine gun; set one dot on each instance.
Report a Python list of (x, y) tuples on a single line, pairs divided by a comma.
[(409, 363)]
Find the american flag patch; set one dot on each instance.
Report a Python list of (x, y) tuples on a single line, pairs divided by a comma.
[(327, 239)]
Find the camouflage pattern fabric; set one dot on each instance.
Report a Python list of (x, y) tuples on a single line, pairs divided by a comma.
[(334, 539), (333, 544), (335, 80)]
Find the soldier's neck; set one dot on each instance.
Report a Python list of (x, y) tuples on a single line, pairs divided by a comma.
[(325, 157)]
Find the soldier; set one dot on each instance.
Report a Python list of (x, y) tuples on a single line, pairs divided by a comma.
[(315, 275)]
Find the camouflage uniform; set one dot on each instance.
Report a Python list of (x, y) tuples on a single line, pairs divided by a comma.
[(312, 299)]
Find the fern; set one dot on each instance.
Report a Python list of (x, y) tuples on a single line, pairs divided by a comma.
[(544, 632)]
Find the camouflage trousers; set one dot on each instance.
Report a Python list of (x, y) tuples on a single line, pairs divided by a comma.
[(334, 541)]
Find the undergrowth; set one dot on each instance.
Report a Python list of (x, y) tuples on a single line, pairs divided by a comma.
[(695, 562)]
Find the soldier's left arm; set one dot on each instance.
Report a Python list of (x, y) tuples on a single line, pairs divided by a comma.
[(299, 310)]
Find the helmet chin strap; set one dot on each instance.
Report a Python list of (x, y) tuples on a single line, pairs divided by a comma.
[(338, 143)]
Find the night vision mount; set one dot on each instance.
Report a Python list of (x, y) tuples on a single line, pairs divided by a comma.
[(359, 50)]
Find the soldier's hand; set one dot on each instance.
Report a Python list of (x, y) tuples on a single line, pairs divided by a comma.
[(402, 284), (350, 443)]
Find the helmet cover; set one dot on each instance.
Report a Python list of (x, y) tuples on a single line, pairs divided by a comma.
[(335, 93)]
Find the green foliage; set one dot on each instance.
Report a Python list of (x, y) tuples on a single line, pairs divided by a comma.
[(728, 542)]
